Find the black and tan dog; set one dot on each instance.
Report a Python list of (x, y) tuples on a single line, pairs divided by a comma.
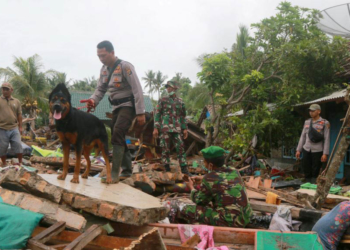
[(79, 128)]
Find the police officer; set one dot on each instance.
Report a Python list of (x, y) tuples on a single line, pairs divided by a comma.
[(120, 79), (314, 143), (169, 120), (224, 187)]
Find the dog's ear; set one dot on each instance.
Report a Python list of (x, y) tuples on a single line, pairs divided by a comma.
[(61, 87), (65, 91)]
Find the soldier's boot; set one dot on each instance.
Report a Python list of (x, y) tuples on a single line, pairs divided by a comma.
[(184, 170), (118, 152), (167, 168), (126, 165)]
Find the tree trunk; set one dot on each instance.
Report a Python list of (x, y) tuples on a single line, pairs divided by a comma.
[(324, 184), (32, 114)]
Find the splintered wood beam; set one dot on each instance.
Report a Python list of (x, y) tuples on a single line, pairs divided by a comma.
[(35, 245), (52, 231), (150, 240), (84, 239)]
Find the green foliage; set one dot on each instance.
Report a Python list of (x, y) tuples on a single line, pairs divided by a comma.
[(286, 61), (29, 82), (88, 84), (216, 71), (260, 122)]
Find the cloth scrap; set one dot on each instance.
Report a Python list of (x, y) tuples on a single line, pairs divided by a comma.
[(205, 233)]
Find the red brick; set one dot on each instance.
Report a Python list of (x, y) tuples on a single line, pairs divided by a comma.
[(24, 178), (106, 210), (40, 186)]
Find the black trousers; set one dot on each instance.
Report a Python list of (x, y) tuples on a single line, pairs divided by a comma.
[(311, 164), (121, 122)]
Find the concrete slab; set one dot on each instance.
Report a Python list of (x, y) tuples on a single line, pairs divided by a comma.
[(116, 202), (116, 193)]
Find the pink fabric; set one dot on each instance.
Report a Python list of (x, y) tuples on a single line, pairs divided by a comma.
[(205, 233)]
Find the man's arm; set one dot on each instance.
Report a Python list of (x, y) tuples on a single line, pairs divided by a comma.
[(204, 195), (101, 89), (19, 118), (157, 118), (301, 142), (183, 120), (130, 74)]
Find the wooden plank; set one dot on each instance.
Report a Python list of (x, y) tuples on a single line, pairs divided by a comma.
[(267, 183), (35, 245), (150, 240), (256, 182), (283, 196), (296, 212), (192, 242), (50, 232), (255, 195), (329, 196), (84, 239)]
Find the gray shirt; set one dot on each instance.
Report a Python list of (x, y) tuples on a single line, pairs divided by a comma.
[(123, 83), (322, 126)]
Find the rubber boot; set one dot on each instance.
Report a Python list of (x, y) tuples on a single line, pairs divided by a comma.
[(118, 152), (167, 168), (126, 165), (184, 170)]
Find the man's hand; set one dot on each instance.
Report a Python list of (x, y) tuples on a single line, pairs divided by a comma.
[(185, 133), (324, 158), (297, 155), (141, 119), (155, 133), (20, 130), (189, 183), (91, 104)]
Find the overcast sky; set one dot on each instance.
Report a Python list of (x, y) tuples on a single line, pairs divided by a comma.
[(165, 35)]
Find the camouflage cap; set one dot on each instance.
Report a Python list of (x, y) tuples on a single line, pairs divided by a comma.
[(213, 152), (314, 107), (7, 85), (172, 84)]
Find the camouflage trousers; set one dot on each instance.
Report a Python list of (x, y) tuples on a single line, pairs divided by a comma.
[(216, 217), (179, 145)]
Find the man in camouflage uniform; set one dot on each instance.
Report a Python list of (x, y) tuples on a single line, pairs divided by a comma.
[(223, 187), (169, 120)]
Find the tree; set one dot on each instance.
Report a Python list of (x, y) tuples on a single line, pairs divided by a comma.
[(149, 79), (30, 85), (56, 77), (288, 60), (242, 40), (158, 82), (87, 84)]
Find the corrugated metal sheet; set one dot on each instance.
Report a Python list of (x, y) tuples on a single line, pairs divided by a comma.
[(332, 97)]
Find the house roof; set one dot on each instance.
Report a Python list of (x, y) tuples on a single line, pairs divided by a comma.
[(271, 107), (335, 96), (104, 105)]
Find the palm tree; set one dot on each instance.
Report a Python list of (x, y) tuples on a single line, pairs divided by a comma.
[(30, 84), (56, 77), (149, 79), (87, 84), (158, 82), (242, 40)]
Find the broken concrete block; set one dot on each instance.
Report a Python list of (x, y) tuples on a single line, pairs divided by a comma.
[(30, 182), (52, 212), (116, 202)]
